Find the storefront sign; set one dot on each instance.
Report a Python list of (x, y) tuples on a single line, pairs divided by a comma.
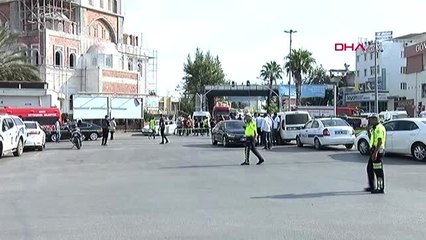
[(381, 36), (365, 97), (421, 47)]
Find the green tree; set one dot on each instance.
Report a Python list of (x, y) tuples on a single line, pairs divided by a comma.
[(203, 69), (13, 62), (299, 63), (270, 72)]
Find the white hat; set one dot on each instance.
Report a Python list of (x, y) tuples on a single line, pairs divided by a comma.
[(248, 114)]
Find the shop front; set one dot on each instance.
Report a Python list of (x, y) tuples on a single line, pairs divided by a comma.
[(365, 101)]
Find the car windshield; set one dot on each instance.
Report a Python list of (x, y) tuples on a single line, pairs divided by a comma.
[(31, 125), (334, 123), (43, 120), (296, 118), (234, 125)]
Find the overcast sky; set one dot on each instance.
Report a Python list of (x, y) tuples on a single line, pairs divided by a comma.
[(245, 34)]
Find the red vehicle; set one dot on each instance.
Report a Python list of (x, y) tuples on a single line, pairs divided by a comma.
[(46, 117), (348, 111), (219, 111)]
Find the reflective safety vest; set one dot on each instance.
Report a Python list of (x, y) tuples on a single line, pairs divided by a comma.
[(250, 130), (377, 165), (152, 124), (378, 132)]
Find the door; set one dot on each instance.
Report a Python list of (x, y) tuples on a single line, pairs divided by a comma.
[(7, 136), (313, 131), (405, 132), (304, 132), (13, 132), (390, 130)]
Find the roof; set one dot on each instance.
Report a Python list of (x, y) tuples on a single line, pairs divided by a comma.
[(106, 48), (411, 36)]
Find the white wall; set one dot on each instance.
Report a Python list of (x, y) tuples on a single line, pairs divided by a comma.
[(25, 101)]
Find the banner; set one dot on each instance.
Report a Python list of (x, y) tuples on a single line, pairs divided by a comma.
[(308, 90)]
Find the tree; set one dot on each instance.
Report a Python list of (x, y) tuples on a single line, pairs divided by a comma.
[(203, 70), (270, 72), (299, 63), (13, 62)]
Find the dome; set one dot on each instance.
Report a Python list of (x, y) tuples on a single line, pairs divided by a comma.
[(107, 48)]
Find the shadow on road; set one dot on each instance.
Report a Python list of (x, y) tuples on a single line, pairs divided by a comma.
[(203, 166), (389, 159), (207, 145), (313, 195), (295, 149)]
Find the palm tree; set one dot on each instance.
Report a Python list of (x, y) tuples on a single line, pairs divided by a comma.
[(299, 63), (270, 72), (13, 62)]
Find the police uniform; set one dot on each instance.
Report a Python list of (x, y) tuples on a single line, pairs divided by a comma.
[(250, 134), (375, 168), (152, 128)]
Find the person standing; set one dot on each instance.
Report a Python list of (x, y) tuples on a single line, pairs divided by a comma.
[(152, 128), (112, 128), (266, 131), (250, 133), (58, 131), (162, 129), (240, 117), (275, 129), (259, 121), (105, 130), (375, 163)]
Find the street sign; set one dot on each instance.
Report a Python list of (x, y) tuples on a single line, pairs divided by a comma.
[(382, 36)]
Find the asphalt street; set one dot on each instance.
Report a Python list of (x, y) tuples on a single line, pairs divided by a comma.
[(135, 188)]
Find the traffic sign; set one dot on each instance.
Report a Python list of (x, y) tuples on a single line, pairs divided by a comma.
[(381, 36)]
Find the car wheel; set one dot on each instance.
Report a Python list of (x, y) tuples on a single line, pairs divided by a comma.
[(349, 146), (363, 147), (19, 149), (93, 137), (298, 142), (317, 144), (40, 148), (1, 150), (214, 142), (224, 141), (418, 150), (53, 137)]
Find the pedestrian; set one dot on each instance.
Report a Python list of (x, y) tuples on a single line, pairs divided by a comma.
[(105, 130), (240, 117), (275, 129), (152, 128), (377, 149), (259, 121), (250, 135), (162, 129), (196, 126), (266, 131), (58, 131), (112, 128)]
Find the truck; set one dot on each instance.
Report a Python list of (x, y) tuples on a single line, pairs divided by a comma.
[(45, 116), (221, 110)]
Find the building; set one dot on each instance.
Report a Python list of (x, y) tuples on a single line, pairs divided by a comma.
[(391, 74), (415, 85), (81, 46)]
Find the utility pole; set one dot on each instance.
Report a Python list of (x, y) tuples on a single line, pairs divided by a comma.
[(291, 31)]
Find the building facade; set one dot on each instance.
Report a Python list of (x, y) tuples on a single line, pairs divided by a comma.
[(416, 73), (81, 46)]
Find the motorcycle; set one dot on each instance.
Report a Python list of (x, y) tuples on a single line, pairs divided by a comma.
[(76, 137)]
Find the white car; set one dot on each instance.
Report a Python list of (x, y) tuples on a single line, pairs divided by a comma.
[(36, 136), (170, 128), (325, 132), (403, 136), (13, 135), (291, 123)]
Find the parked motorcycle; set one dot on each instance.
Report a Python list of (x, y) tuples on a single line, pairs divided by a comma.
[(76, 137)]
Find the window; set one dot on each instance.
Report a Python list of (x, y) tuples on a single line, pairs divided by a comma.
[(365, 72), (357, 73), (109, 5), (18, 122), (315, 124), (365, 57), (405, 126), (101, 4), (307, 125), (72, 60), (10, 123), (36, 57), (402, 54), (4, 126), (371, 56), (31, 125), (130, 65), (403, 86), (91, 2), (378, 69), (335, 122), (94, 61), (115, 6), (108, 61), (357, 58), (372, 70), (296, 118), (403, 70), (140, 68), (58, 59)]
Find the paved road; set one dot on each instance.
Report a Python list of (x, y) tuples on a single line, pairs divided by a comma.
[(137, 189)]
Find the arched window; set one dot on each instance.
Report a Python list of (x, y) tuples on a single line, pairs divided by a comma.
[(60, 27), (130, 65), (109, 5), (36, 58), (115, 6), (140, 68), (73, 60), (58, 59)]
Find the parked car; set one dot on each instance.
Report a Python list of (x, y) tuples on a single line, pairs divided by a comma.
[(90, 131), (13, 135), (170, 128), (291, 123), (326, 131), (403, 136), (228, 132), (36, 136)]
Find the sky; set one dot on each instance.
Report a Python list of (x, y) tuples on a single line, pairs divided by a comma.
[(246, 34)]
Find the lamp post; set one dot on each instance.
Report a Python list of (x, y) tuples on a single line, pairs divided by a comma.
[(291, 31)]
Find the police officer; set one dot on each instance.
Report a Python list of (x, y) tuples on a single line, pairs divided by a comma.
[(105, 130), (250, 134), (162, 129), (377, 149), (152, 128)]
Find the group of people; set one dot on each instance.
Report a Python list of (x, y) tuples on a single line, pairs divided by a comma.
[(197, 126), (161, 128), (108, 126)]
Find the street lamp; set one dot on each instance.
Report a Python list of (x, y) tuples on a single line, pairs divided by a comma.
[(291, 31)]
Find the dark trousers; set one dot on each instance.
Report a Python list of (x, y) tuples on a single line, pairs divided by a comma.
[(163, 136), (112, 135), (275, 135), (377, 172), (259, 137), (105, 132), (250, 146), (267, 140), (153, 133)]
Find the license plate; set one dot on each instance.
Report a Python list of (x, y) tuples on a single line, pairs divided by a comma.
[(243, 139), (340, 132)]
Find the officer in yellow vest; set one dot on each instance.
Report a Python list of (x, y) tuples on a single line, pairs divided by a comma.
[(152, 128), (250, 135), (377, 150)]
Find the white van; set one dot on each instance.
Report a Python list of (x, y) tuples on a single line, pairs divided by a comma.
[(390, 115), (291, 123)]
